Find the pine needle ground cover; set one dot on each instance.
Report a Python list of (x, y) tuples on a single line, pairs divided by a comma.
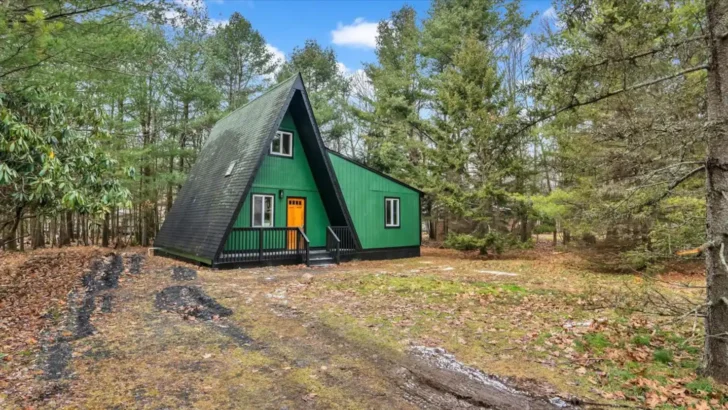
[(349, 336)]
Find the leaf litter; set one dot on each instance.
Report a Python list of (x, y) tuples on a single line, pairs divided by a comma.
[(539, 326)]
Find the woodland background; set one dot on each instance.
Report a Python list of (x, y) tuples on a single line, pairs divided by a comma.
[(590, 132)]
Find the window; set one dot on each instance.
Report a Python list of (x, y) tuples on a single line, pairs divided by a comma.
[(230, 169), (282, 144), (391, 212), (262, 211)]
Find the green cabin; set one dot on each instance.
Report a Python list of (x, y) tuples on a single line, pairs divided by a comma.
[(265, 190)]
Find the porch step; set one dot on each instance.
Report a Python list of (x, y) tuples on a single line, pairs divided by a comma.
[(321, 260)]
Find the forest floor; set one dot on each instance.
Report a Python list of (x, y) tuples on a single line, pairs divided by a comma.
[(86, 328)]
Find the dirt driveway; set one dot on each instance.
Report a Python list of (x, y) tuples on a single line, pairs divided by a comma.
[(153, 333)]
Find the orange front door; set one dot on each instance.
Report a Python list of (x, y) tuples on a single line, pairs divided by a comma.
[(296, 218)]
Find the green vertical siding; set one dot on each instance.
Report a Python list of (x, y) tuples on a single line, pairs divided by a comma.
[(294, 177), (364, 192)]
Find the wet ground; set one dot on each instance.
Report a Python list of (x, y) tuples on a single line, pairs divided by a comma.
[(146, 333)]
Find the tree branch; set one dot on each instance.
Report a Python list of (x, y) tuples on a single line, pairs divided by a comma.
[(642, 54), (576, 103), (671, 187), (76, 12)]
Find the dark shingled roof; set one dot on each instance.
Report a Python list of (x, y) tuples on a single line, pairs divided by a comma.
[(208, 201)]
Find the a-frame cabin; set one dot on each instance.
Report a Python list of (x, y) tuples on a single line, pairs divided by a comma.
[(265, 191)]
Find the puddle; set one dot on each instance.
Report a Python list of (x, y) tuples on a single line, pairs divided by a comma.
[(475, 387), (441, 359), (190, 302), (183, 273), (56, 364), (102, 276), (106, 301), (135, 263)]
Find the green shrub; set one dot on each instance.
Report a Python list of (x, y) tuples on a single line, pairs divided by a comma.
[(493, 241), (463, 242), (544, 227), (588, 238), (638, 259)]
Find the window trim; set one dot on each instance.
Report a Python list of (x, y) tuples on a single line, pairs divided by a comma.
[(290, 145), (396, 200), (272, 210)]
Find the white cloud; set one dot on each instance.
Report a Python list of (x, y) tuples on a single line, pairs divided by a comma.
[(347, 72), (343, 70), (173, 18), (189, 4), (550, 14), (551, 19), (278, 56), (215, 23), (360, 33)]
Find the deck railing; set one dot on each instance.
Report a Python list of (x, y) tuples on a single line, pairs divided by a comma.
[(333, 245), (265, 244), (346, 239)]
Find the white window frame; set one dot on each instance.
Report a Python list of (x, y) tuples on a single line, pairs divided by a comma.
[(279, 135), (395, 223), (272, 199)]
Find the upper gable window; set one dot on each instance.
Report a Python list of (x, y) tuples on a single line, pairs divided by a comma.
[(282, 144)]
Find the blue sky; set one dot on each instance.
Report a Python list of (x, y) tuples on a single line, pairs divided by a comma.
[(349, 26)]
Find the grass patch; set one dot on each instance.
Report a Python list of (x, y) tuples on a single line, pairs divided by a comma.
[(594, 341), (429, 286), (700, 385), (641, 340), (663, 356)]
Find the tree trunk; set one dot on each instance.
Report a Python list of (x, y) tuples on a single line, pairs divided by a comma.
[(53, 231), (117, 227), (10, 238), (143, 229), (169, 186), (37, 236), (524, 227), (105, 234), (21, 237), (85, 228), (612, 235), (69, 228), (433, 222), (716, 321)]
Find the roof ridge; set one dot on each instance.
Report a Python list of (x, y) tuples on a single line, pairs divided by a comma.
[(266, 92)]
